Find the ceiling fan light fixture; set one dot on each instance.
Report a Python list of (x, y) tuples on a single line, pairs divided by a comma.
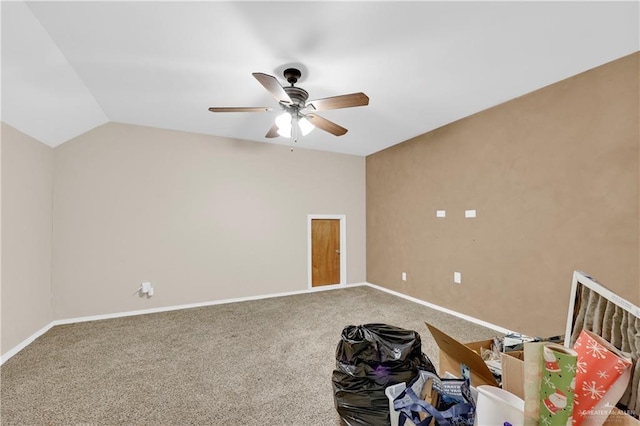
[(283, 121), (305, 126), (285, 133)]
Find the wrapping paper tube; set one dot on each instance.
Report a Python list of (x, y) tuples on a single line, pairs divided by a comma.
[(550, 371), (532, 381), (602, 376)]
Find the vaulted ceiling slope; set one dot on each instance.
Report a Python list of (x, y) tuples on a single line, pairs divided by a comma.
[(68, 67)]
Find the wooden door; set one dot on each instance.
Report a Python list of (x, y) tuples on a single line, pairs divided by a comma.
[(325, 252)]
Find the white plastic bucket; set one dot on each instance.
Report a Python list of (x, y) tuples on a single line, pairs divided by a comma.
[(496, 406)]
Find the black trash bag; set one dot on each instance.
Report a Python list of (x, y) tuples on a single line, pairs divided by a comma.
[(369, 358)]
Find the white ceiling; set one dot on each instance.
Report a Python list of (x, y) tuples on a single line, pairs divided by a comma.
[(68, 67)]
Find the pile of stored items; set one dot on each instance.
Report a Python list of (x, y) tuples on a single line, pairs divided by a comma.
[(592, 378)]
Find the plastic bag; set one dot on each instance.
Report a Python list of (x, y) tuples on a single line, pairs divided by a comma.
[(369, 358), (431, 400)]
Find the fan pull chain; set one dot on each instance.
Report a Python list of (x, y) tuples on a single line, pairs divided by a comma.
[(295, 129)]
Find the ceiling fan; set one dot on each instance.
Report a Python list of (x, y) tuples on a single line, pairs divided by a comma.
[(299, 114)]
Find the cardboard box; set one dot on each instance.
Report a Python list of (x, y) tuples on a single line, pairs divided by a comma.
[(453, 355), (513, 372)]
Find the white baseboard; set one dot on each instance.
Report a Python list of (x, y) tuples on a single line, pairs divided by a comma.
[(200, 304), (46, 328), (441, 309), (26, 342)]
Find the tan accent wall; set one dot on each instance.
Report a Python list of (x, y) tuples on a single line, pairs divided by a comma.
[(27, 175), (203, 218), (554, 177)]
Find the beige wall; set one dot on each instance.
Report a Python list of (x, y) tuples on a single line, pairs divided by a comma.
[(554, 178), (27, 170), (203, 218)]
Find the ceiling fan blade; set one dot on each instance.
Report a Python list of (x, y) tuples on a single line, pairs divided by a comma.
[(342, 101), (240, 109), (273, 132), (326, 125), (271, 84)]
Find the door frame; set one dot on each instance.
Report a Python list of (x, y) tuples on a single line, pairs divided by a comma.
[(343, 247)]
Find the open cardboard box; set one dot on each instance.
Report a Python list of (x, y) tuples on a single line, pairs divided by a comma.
[(454, 355)]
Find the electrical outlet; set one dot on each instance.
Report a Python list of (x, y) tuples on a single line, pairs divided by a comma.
[(441, 213), (457, 277), (145, 287), (404, 276)]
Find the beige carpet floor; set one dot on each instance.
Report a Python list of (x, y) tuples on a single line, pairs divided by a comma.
[(265, 362)]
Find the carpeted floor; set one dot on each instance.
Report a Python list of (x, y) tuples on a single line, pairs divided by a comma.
[(265, 362)]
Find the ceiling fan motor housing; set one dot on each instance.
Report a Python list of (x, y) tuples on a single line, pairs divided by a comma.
[(298, 95)]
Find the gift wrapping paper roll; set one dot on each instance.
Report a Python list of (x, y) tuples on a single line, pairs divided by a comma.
[(532, 381), (602, 377), (550, 371)]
